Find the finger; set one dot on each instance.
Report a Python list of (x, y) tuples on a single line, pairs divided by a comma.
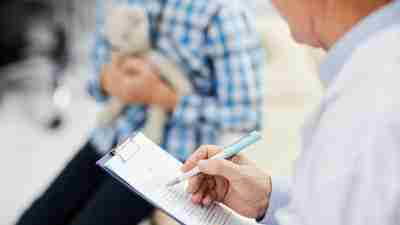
[(221, 189), (132, 66), (207, 200), (210, 196), (224, 168), (211, 183), (195, 183), (137, 64), (240, 160), (197, 198), (202, 153)]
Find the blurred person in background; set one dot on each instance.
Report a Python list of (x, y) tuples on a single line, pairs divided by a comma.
[(219, 50), (349, 169)]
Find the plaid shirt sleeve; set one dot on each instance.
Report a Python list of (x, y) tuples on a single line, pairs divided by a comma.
[(237, 59), (100, 55)]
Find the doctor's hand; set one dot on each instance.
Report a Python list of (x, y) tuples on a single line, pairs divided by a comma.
[(135, 81), (238, 183)]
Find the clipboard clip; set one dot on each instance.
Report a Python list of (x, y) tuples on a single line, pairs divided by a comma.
[(127, 149)]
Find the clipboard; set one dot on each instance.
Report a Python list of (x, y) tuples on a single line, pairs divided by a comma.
[(118, 152), (132, 164)]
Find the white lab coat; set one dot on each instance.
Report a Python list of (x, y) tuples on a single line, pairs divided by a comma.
[(349, 170)]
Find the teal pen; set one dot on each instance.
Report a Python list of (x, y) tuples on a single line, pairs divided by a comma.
[(227, 153)]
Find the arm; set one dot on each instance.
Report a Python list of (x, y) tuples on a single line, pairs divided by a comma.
[(351, 176), (112, 74), (236, 57), (375, 190)]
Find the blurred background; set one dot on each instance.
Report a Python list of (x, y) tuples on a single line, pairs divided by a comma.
[(45, 113)]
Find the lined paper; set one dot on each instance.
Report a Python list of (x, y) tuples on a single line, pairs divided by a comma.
[(149, 169)]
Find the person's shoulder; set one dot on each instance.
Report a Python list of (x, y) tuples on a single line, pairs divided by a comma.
[(378, 97), (371, 101), (387, 94), (381, 48), (378, 63), (384, 77)]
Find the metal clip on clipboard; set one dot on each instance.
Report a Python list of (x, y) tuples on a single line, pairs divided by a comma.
[(124, 152)]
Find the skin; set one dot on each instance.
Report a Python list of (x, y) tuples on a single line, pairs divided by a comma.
[(135, 81), (321, 23), (238, 183)]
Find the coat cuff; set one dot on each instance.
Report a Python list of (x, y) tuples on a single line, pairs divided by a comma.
[(279, 198)]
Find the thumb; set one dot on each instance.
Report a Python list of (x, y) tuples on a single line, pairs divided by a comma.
[(224, 168)]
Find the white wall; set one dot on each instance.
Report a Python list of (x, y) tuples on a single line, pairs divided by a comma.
[(291, 91)]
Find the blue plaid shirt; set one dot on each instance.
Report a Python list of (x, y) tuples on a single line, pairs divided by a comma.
[(218, 49)]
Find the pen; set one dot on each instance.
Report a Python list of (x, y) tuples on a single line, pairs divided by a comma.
[(227, 153)]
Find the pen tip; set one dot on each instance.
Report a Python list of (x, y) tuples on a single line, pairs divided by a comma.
[(172, 183)]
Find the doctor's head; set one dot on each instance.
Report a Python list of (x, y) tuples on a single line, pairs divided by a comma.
[(320, 23)]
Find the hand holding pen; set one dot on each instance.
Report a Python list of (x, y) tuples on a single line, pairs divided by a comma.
[(238, 183), (227, 153)]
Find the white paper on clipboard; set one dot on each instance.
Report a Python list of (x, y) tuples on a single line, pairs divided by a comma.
[(145, 168)]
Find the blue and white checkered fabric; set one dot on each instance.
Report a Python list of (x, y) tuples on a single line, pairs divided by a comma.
[(219, 50)]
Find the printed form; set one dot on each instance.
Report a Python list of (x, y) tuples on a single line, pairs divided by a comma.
[(146, 168)]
